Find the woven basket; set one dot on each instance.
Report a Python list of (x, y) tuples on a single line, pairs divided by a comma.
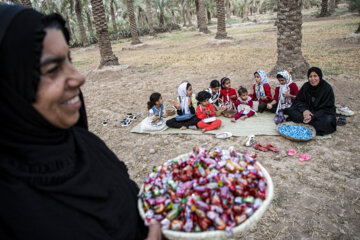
[(170, 112), (311, 128), (219, 235)]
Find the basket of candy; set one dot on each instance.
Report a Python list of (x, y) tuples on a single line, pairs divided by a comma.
[(296, 131), (207, 194)]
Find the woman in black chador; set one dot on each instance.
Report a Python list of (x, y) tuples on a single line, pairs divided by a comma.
[(57, 179), (315, 104)]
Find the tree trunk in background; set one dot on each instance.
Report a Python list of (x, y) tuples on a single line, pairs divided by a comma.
[(106, 53), (246, 9), (332, 6), (202, 15), (67, 24), (197, 13), (208, 16), (132, 20), (324, 8), (183, 12), (289, 39), (81, 24), (26, 3), (228, 12), (358, 30), (149, 18), (221, 25), (115, 30), (188, 15), (258, 6), (90, 28)]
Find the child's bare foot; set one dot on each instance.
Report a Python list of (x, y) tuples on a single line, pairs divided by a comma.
[(243, 118), (233, 120), (183, 128), (203, 130)]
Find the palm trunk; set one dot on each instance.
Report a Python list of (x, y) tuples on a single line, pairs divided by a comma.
[(81, 24), (188, 15), (202, 15), (289, 39), (246, 7), (332, 6), (197, 13), (132, 20), (183, 12), (358, 30), (324, 8), (221, 26), (90, 27), (149, 18), (26, 3), (208, 16), (258, 6), (113, 20), (228, 11), (106, 53)]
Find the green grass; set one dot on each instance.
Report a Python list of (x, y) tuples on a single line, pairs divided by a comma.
[(80, 63), (279, 199)]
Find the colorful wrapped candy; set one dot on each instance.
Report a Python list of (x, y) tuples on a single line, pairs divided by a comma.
[(208, 190)]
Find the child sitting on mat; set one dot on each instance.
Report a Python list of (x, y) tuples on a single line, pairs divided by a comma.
[(154, 122), (214, 91), (227, 94), (205, 112), (262, 90), (244, 105)]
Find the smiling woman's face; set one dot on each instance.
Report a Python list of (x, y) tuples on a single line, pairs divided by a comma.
[(57, 98)]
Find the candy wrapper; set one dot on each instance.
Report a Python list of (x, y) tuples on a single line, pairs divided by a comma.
[(209, 189)]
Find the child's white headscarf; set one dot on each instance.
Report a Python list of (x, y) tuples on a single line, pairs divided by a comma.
[(182, 92), (284, 102), (259, 87)]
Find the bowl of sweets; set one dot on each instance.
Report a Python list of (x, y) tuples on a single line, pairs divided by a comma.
[(296, 131), (209, 193)]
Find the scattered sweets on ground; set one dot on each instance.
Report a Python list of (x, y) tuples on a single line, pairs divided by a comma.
[(210, 189), (295, 131)]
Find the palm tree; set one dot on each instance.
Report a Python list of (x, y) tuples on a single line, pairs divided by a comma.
[(246, 9), (221, 26), (202, 16), (89, 25), (188, 15), (107, 55), (132, 20), (80, 23), (289, 38), (332, 6), (228, 11), (324, 8), (149, 18), (112, 12), (26, 3)]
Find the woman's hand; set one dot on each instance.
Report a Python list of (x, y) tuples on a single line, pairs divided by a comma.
[(307, 116), (154, 230), (287, 95)]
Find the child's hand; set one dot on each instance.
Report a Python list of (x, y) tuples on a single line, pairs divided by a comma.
[(207, 112), (243, 118), (165, 115), (233, 120), (233, 97), (263, 98), (287, 95), (269, 106), (176, 104)]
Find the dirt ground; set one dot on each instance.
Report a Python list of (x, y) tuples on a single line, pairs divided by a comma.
[(318, 199)]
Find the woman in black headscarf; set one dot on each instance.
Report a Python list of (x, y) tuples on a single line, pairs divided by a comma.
[(57, 179), (315, 104)]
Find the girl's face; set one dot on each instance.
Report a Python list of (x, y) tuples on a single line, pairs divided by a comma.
[(189, 91), (160, 101), (257, 78), (244, 96), (57, 98), (215, 90), (314, 79), (204, 103), (226, 84), (282, 81)]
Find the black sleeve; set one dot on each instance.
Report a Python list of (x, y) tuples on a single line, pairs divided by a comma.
[(192, 109)]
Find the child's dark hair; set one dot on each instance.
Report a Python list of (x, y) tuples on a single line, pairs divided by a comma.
[(223, 81), (214, 83), (242, 90), (154, 97), (202, 96), (188, 85)]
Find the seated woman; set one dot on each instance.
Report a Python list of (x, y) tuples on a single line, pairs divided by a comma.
[(185, 106), (58, 180), (315, 104)]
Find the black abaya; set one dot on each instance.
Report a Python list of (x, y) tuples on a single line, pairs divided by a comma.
[(54, 183)]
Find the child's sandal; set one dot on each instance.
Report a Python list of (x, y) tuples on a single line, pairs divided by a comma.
[(271, 148), (126, 122), (260, 148)]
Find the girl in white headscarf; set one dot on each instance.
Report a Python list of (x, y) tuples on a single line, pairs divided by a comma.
[(285, 93), (185, 106)]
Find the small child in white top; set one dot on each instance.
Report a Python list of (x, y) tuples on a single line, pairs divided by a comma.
[(154, 122)]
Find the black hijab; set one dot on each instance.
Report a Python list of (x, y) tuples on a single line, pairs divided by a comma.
[(54, 183), (318, 98)]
